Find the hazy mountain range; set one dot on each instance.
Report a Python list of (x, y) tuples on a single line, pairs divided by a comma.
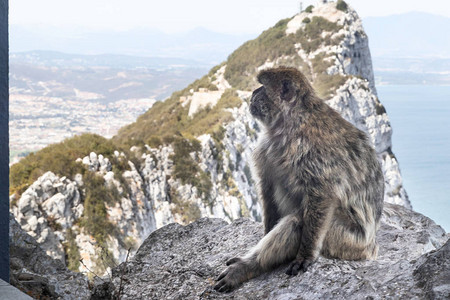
[(198, 44), (409, 48)]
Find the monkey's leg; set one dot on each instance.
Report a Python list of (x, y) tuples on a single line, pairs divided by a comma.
[(317, 217), (280, 245)]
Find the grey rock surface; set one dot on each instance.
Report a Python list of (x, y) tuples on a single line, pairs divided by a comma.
[(182, 262), (39, 275)]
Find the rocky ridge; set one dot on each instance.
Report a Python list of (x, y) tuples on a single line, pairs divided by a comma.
[(150, 197), (182, 262)]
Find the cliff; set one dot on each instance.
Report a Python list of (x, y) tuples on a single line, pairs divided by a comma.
[(190, 156)]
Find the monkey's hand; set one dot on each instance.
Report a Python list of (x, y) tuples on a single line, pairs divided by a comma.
[(232, 277), (299, 265)]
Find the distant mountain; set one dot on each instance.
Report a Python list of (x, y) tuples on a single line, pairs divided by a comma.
[(405, 70), (197, 44), (414, 34), (117, 61), (411, 48), (113, 77)]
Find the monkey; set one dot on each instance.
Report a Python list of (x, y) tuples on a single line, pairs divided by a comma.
[(320, 182)]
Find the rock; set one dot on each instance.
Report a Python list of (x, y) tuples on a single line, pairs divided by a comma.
[(181, 262), (202, 99), (52, 205), (37, 274), (93, 162), (433, 276), (105, 165)]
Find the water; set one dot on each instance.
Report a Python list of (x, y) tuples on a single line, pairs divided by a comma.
[(420, 118)]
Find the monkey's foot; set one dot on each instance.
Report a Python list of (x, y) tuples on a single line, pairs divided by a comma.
[(233, 260), (299, 265), (232, 277)]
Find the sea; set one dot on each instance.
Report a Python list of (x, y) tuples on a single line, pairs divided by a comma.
[(420, 118)]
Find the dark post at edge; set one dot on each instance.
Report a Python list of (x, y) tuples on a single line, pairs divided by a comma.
[(4, 143)]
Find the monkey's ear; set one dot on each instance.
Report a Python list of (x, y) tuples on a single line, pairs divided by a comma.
[(265, 77), (287, 90)]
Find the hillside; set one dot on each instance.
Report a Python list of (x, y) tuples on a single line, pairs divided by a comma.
[(190, 156)]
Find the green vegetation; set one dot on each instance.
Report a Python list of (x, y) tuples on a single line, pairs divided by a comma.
[(169, 118), (72, 253), (204, 82), (324, 84), (186, 210), (274, 44), (186, 168), (326, 88), (209, 120), (271, 44), (379, 108), (104, 260), (175, 127), (341, 5), (95, 219), (309, 9), (58, 158), (131, 243), (310, 36)]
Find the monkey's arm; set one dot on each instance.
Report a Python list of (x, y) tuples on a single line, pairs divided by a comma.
[(270, 210), (317, 215)]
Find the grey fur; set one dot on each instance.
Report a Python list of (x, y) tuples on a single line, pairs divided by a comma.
[(321, 184)]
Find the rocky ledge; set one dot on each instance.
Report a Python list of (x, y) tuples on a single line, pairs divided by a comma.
[(39, 275), (182, 262)]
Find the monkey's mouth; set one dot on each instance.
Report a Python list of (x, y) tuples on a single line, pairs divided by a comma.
[(256, 111), (253, 110)]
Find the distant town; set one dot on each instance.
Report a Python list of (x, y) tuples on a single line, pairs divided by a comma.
[(50, 102), (36, 121)]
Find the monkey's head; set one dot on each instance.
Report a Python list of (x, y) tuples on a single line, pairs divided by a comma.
[(283, 88)]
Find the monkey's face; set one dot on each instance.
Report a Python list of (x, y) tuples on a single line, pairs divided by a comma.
[(262, 107)]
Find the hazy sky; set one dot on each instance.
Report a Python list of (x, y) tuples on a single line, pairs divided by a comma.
[(232, 16)]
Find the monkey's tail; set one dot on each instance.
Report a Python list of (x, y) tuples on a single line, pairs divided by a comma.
[(279, 246)]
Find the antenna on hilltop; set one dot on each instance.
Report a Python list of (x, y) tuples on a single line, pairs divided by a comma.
[(301, 6)]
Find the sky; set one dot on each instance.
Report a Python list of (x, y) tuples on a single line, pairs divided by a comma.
[(170, 16)]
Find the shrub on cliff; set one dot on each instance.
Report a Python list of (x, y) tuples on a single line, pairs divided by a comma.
[(309, 9), (271, 44), (186, 168), (58, 158), (341, 5), (169, 118)]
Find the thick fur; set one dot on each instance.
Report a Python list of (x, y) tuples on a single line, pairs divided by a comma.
[(321, 185)]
